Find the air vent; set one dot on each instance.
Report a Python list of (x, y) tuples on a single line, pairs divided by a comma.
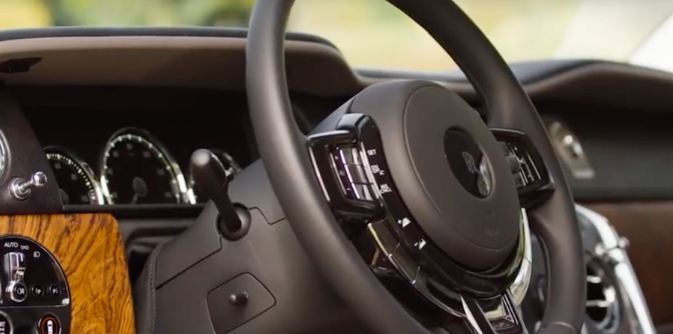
[(602, 305), (570, 151)]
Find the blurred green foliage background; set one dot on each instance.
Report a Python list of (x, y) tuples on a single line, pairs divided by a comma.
[(371, 33), (38, 13)]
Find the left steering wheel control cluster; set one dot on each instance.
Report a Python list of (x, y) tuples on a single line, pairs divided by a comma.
[(35, 297), (352, 170)]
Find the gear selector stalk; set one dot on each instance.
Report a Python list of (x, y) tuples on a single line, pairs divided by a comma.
[(210, 177)]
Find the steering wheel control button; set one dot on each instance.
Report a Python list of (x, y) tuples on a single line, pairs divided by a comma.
[(5, 324), (343, 173), (354, 182), (357, 174), (49, 324)]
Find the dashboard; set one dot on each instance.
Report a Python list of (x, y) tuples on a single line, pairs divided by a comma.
[(126, 146), (134, 168), (119, 138), (134, 151)]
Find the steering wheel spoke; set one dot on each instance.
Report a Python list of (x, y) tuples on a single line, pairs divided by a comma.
[(342, 173), (531, 177), (497, 315)]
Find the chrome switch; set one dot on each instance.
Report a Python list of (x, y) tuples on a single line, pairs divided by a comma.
[(15, 265), (15, 269), (22, 188)]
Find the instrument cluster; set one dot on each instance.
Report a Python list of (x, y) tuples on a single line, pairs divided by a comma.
[(134, 167)]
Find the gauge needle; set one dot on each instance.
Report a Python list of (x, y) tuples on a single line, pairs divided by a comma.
[(139, 189)]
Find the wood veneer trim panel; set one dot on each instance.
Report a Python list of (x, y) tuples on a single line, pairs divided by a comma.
[(90, 251), (649, 228)]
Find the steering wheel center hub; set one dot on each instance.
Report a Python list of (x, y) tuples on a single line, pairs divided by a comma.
[(449, 168), (469, 164)]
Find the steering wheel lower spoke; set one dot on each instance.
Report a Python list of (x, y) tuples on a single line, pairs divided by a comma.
[(497, 315)]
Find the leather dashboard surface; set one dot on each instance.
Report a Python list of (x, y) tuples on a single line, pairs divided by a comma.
[(649, 228)]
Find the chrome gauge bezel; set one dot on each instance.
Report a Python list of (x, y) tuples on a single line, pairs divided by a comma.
[(68, 156), (141, 135)]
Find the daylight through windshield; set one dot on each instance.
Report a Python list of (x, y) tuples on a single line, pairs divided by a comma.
[(521, 29)]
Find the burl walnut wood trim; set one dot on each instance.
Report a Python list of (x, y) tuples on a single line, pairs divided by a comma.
[(649, 228), (90, 251)]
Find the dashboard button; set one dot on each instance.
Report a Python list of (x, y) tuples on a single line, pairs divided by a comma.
[(55, 290), (17, 292), (49, 324), (37, 291), (5, 324)]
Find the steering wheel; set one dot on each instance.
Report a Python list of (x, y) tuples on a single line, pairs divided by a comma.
[(414, 206)]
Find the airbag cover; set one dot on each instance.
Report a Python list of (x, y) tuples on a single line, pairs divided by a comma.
[(449, 169)]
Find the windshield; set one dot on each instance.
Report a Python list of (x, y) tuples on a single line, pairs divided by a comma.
[(374, 34)]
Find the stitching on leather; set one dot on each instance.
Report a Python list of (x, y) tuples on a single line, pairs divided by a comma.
[(562, 324), (150, 287)]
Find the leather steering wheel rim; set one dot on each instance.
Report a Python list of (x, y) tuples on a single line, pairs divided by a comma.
[(283, 149)]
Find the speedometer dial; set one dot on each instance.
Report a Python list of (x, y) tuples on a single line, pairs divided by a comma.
[(76, 181), (137, 169)]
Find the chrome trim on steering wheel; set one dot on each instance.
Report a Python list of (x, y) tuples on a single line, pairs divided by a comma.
[(407, 250), (521, 283), (517, 290)]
